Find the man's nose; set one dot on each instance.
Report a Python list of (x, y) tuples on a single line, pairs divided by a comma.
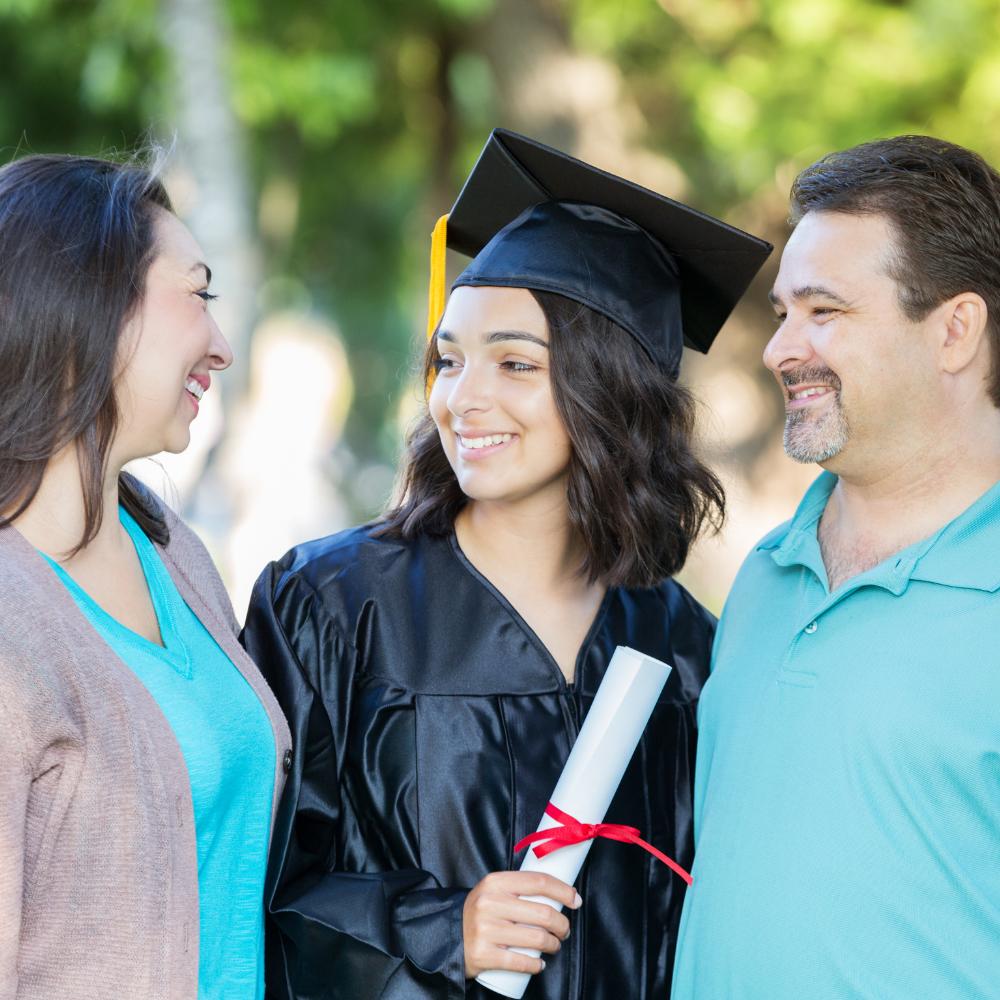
[(790, 346)]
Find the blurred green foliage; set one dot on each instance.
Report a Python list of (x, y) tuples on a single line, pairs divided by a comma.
[(370, 113)]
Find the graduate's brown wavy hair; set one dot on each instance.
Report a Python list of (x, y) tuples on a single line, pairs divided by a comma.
[(76, 242), (638, 495)]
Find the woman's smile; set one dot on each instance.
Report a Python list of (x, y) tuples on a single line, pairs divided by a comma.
[(475, 445)]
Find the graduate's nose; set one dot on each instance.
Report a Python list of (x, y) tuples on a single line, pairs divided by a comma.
[(470, 391)]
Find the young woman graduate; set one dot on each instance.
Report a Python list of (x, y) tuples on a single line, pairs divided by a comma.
[(436, 664)]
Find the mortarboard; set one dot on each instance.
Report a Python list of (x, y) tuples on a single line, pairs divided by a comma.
[(533, 217)]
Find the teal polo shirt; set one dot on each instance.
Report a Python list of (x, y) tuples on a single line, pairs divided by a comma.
[(847, 797)]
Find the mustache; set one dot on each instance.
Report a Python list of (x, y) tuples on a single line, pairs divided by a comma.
[(810, 374)]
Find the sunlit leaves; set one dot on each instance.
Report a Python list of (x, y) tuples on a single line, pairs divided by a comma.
[(318, 91)]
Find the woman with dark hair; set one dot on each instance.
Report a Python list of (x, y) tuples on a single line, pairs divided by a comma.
[(436, 665), (142, 749)]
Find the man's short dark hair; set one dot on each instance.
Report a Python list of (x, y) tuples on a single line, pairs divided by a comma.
[(943, 202)]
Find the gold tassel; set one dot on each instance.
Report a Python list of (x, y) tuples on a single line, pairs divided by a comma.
[(436, 295)]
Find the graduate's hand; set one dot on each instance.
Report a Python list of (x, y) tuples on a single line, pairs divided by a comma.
[(495, 919)]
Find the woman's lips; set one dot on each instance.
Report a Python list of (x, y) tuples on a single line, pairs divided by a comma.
[(479, 446)]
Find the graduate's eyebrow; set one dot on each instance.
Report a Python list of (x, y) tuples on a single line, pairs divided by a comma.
[(809, 292), (498, 336)]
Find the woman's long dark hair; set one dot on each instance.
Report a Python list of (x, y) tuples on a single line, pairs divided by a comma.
[(638, 496), (76, 242)]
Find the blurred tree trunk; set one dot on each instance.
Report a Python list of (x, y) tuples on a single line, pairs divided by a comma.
[(208, 178), (212, 153)]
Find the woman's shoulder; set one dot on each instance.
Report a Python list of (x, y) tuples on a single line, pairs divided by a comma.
[(668, 614), (351, 567), (676, 603), (186, 553)]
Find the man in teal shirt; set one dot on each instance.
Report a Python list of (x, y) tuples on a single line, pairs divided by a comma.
[(847, 802)]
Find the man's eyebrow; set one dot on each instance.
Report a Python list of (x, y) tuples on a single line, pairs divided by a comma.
[(498, 336), (809, 292), (207, 269)]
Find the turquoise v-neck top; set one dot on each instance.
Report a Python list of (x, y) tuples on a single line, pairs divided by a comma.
[(228, 745)]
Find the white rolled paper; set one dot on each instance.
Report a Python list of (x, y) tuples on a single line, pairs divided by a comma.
[(603, 749)]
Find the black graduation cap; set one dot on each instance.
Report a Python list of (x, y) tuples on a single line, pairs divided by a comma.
[(533, 217)]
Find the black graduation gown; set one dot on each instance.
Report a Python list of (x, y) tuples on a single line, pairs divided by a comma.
[(430, 726)]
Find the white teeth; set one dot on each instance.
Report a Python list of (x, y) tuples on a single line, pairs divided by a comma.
[(485, 442), (806, 393), (195, 388)]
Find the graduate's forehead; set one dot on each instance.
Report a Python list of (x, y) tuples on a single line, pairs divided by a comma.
[(476, 313)]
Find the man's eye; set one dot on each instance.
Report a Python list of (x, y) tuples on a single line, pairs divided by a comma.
[(206, 295)]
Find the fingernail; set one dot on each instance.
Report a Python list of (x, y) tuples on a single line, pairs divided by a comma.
[(570, 931), (578, 902), (543, 965)]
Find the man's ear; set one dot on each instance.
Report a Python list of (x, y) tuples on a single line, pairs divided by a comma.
[(963, 330)]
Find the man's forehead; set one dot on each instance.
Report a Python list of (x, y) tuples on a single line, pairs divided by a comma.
[(833, 252)]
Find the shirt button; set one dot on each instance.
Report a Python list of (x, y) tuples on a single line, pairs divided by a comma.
[(810, 628), (287, 762)]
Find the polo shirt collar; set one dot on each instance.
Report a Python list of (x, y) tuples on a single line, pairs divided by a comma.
[(953, 556)]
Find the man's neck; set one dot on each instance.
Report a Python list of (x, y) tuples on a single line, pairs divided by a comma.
[(869, 518)]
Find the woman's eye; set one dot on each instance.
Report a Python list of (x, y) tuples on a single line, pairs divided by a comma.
[(440, 364), (518, 366), (206, 295)]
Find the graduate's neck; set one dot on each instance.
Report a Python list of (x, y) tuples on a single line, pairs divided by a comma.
[(531, 538)]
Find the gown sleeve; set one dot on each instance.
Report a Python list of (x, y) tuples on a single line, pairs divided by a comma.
[(334, 934)]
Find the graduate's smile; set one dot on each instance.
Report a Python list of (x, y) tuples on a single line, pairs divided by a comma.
[(476, 445)]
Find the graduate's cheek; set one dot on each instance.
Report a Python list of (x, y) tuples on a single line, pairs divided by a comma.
[(546, 448)]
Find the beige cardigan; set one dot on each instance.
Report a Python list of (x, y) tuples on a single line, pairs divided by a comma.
[(98, 866)]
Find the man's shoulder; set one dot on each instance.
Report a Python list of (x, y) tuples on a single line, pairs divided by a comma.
[(759, 560), (772, 539)]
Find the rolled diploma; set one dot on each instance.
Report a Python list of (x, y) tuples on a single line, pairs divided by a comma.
[(607, 740)]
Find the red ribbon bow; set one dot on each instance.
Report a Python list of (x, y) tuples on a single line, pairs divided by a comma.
[(573, 831)]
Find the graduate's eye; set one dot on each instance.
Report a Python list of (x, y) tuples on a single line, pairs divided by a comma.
[(518, 366), (440, 364), (824, 312), (206, 296)]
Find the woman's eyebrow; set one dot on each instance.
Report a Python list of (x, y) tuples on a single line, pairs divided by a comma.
[(500, 335), (208, 271)]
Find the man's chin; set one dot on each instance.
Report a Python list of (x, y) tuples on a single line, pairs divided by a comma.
[(807, 451)]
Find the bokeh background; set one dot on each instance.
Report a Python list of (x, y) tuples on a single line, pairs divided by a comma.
[(314, 142)]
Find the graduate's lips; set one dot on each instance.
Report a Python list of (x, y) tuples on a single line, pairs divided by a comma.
[(469, 453)]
